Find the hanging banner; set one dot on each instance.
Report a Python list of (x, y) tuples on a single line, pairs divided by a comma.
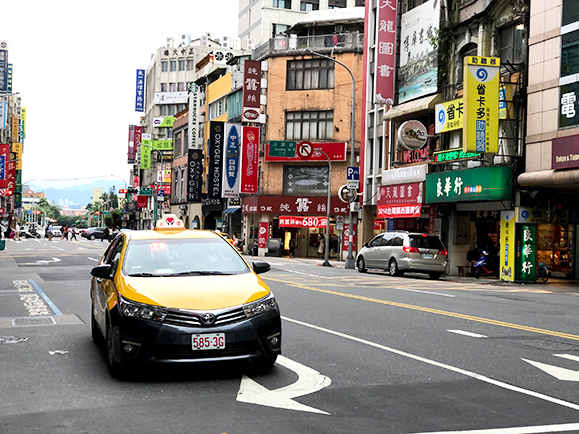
[(140, 91), (507, 253), (3, 67), (346, 238), (251, 91), (386, 52), (400, 201), (263, 234), (480, 132), (192, 121), (215, 150), (231, 162), (137, 137), (303, 222), (4, 157), (3, 114), (131, 149), (194, 175), (164, 122), (249, 160)]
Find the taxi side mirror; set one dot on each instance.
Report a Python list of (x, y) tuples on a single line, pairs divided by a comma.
[(260, 267), (101, 271), (365, 245)]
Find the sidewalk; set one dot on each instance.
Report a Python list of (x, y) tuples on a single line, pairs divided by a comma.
[(552, 285)]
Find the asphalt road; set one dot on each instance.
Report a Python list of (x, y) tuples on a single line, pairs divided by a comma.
[(366, 353)]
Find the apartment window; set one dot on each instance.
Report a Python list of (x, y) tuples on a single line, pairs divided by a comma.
[(177, 146), (279, 28), (181, 65), (190, 64), (164, 66), (310, 5), (181, 86), (173, 64), (469, 50), (511, 44), (359, 3), (163, 87), (176, 181), (570, 12), (380, 154), (182, 188), (172, 109), (163, 109), (282, 4), (570, 53), (217, 108), (336, 4), (180, 107), (310, 74), (172, 87), (310, 125), (370, 150)]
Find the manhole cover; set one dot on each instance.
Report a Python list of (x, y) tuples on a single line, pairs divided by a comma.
[(11, 339), (33, 321)]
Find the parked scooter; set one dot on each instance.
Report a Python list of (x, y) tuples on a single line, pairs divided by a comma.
[(487, 264)]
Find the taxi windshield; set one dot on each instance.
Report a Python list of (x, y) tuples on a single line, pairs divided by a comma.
[(183, 257)]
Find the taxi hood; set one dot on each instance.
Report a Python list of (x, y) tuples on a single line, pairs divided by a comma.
[(194, 292)]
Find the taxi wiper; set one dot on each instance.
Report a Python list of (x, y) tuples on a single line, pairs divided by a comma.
[(143, 275), (202, 273)]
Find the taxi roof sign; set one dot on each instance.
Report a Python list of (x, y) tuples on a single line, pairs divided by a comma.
[(168, 222)]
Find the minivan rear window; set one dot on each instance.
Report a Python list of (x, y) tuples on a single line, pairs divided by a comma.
[(426, 242)]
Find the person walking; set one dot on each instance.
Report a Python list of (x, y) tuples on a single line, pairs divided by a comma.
[(106, 234), (65, 232), (292, 247), (73, 232), (321, 246), (17, 232)]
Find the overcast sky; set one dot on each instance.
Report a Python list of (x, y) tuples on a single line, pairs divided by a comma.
[(74, 66)]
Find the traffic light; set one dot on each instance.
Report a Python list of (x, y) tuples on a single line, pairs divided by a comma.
[(97, 213), (9, 193), (123, 191)]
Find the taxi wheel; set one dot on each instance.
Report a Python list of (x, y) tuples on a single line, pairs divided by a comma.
[(97, 337), (362, 265), (115, 368)]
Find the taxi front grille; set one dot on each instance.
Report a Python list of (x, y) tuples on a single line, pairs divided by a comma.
[(189, 318), (232, 349)]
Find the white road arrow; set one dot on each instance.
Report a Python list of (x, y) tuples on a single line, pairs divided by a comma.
[(41, 262), (562, 374), (309, 381)]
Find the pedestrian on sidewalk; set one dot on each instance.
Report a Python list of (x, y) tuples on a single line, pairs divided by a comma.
[(321, 246), (292, 247)]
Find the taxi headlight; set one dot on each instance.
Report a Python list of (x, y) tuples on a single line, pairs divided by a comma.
[(260, 307), (133, 309)]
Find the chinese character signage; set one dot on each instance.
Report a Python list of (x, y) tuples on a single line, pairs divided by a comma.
[(568, 108), (455, 155), (386, 51), (506, 101), (4, 157), (231, 162), (404, 175), (9, 78), (15, 128), (507, 253), (3, 114), (194, 175), (302, 222), (131, 149), (399, 201), (263, 234), (448, 116), (526, 252), (140, 91), (418, 71), (249, 160), (142, 201), (336, 152), (251, 91), (166, 122), (215, 151), (3, 67), (480, 132), (292, 205), (346, 238), (480, 183), (16, 149), (565, 152)]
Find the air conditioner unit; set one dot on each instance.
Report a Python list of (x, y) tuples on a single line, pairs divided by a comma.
[(250, 44)]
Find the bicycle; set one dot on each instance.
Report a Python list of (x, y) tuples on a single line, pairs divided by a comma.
[(542, 272)]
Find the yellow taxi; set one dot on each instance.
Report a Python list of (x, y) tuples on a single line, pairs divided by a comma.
[(178, 295)]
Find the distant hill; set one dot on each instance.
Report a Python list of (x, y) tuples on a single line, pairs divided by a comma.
[(77, 195)]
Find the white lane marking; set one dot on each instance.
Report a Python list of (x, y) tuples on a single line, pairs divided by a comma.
[(309, 381), (519, 430), (568, 356), (59, 248), (41, 262), (442, 365), (52, 353), (82, 248), (93, 259), (424, 292), (462, 332), (559, 373), (304, 274)]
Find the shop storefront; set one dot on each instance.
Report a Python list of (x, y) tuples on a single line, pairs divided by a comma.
[(298, 218)]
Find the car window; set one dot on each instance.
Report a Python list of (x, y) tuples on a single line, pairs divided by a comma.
[(376, 241), (426, 242), (386, 240), (398, 241), (182, 257), (110, 251)]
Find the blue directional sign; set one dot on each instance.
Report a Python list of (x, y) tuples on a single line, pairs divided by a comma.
[(353, 174)]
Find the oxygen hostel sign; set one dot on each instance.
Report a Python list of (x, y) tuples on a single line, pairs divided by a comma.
[(194, 175), (214, 174)]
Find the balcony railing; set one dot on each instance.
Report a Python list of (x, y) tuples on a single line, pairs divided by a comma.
[(285, 45)]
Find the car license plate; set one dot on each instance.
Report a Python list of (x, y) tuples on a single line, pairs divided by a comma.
[(428, 256), (208, 341)]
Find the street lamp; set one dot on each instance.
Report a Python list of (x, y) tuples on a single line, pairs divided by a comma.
[(350, 263)]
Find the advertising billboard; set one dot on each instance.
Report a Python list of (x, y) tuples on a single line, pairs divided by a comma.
[(251, 91), (231, 163), (386, 52), (249, 159), (140, 91), (215, 151)]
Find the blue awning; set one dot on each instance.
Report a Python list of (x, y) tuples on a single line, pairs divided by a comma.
[(232, 210)]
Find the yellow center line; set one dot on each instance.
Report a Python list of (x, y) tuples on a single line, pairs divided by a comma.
[(430, 310)]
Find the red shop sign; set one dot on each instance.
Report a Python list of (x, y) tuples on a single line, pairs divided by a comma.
[(379, 225), (346, 238), (303, 222), (291, 205), (263, 233), (336, 152), (399, 201), (142, 201)]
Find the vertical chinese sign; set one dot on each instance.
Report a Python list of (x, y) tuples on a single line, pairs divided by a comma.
[(131, 150), (137, 137), (263, 234), (215, 151), (480, 132), (507, 253), (231, 160), (194, 175), (3, 67), (249, 160), (140, 91), (526, 252), (250, 110), (386, 53), (4, 157)]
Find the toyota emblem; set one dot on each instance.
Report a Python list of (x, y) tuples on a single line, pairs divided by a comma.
[(207, 319)]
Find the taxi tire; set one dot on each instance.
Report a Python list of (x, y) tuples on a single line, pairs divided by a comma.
[(361, 265), (97, 336), (115, 368)]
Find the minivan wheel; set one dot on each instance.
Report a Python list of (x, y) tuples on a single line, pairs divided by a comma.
[(393, 268), (362, 265), (434, 275)]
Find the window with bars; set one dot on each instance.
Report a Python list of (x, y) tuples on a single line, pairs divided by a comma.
[(309, 125), (310, 74)]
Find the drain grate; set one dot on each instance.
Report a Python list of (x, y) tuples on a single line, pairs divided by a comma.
[(33, 321), (11, 339)]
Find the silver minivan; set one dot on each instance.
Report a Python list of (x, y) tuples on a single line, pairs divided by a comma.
[(400, 251)]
